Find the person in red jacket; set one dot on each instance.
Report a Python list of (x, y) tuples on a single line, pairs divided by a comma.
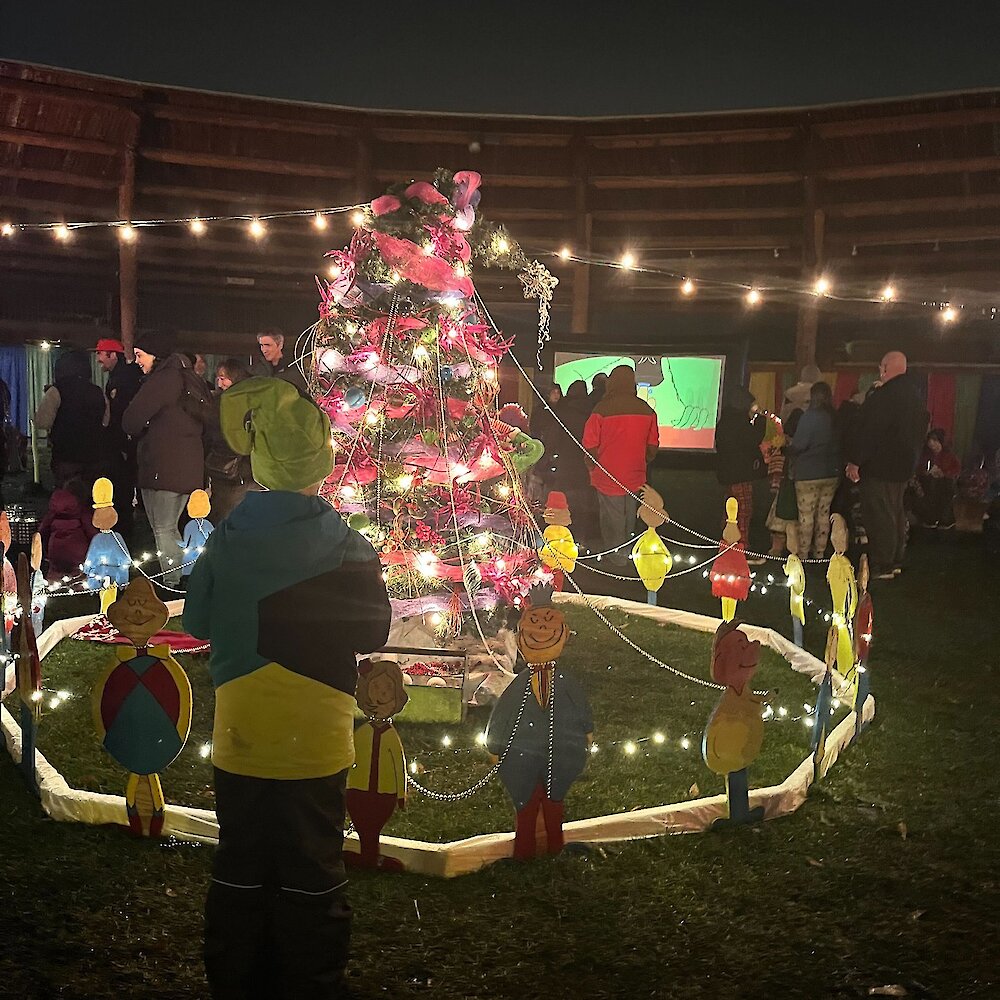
[(622, 438), (937, 477)]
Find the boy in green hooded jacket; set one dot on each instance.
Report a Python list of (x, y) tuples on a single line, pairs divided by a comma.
[(288, 595)]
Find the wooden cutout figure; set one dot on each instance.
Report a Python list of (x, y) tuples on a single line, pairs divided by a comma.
[(38, 589), (559, 550), (28, 673), (540, 731), (376, 784), (730, 574), (735, 729), (108, 560), (196, 531), (652, 558), (844, 591), (142, 705), (824, 699), (864, 624), (8, 599), (796, 574)]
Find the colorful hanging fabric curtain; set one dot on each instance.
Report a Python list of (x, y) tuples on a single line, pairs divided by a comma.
[(762, 388), (987, 432), (941, 401), (967, 391), (845, 387), (14, 372)]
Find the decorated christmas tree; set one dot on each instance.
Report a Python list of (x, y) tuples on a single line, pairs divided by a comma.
[(406, 365)]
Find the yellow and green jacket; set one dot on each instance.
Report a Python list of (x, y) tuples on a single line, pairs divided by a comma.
[(288, 595)]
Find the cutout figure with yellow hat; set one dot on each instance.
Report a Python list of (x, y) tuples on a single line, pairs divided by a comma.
[(108, 558)]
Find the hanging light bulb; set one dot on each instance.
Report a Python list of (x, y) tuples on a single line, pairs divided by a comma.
[(822, 286), (565, 253), (319, 220), (753, 297), (334, 271), (127, 233), (358, 218), (627, 260), (949, 314), (256, 228), (888, 293), (197, 227), (6, 229), (687, 287), (62, 232)]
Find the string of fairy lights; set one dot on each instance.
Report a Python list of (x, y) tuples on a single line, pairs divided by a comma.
[(256, 228), (753, 293)]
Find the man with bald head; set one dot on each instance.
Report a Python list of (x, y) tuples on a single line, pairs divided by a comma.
[(883, 456)]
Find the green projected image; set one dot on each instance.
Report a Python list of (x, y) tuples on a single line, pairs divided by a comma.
[(684, 391)]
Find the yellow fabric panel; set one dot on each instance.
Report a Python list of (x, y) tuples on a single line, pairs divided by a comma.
[(391, 763), (273, 723), (762, 389)]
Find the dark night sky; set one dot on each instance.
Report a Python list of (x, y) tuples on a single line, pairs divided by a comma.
[(531, 57)]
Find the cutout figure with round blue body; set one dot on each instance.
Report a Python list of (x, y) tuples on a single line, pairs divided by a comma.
[(196, 531), (108, 560)]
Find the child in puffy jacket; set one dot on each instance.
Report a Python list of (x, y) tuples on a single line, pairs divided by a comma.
[(66, 530)]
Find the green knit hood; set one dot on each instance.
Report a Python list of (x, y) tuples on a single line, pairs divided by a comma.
[(287, 436)]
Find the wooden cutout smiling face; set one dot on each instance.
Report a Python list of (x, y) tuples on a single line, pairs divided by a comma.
[(542, 634), (138, 614), (380, 693)]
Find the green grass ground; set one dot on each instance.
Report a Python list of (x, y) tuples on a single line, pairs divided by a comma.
[(887, 875), (632, 699)]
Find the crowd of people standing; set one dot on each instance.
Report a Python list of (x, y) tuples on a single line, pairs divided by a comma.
[(154, 431), (862, 461)]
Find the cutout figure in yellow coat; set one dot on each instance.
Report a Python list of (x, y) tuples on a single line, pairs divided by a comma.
[(376, 784)]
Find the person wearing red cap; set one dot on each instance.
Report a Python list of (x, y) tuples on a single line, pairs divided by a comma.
[(123, 383)]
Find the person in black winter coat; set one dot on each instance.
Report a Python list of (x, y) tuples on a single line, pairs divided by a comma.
[(74, 412), (739, 460), (572, 475), (123, 383), (882, 455)]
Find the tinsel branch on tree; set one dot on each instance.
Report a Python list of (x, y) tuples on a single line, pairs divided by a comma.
[(407, 367)]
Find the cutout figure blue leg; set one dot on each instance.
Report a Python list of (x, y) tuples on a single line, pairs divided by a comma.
[(651, 597), (738, 800), (821, 722), (797, 632)]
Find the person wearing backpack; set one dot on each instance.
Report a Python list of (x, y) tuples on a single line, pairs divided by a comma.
[(167, 416)]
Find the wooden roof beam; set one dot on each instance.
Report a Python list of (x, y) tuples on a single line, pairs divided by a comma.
[(693, 214), (906, 206), (387, 176), (191, 158), (465, 136), (958, 118), (38, 90), (654, 140), (262, 122), (911, 168), (927, 234), (61, 177), (632, 182), (55, 140)]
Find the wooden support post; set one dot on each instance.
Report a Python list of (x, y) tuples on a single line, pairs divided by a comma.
[(813, 227), (128, 268), (580, 317), (364, 176)]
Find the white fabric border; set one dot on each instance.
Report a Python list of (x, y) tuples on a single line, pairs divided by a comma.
[(460, 857)]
